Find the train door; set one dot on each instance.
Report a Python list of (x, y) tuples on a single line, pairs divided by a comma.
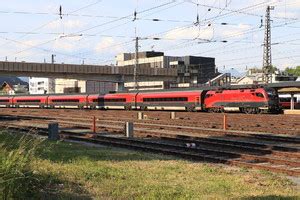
[(134, 100), (202, 95), (197, 103)]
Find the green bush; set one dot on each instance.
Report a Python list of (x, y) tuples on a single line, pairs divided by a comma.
[(17, 179)]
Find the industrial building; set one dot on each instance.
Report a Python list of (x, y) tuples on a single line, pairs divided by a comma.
[(192, 70)]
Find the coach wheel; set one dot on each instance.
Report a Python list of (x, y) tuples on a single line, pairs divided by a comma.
[(189, 108), (93, 107), (80, 107), (216, 110), (247, 110), (127, 107), (256, 110), (221, 110), (143, 108), (260, 111), (250, 110)]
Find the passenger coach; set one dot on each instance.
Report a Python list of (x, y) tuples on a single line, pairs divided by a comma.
[(259, 100), (177, 100)]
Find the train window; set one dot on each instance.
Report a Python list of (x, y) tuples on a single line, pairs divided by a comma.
[(4, 100), (115, 100), (287, 99), (259, 95), (109, 100), (65, 100), (29, 101), (165, 99), (98, 100), (208, 95)]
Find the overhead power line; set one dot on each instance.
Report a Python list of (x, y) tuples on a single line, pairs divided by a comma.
[(46, 24)]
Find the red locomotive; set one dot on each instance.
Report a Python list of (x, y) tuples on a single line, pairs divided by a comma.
[(243, 100)]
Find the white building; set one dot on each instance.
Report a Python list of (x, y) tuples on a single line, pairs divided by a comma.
[(41, 85), (81, 86), (256, 76)]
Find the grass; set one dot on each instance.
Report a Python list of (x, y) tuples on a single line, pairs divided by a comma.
[(74, 171)]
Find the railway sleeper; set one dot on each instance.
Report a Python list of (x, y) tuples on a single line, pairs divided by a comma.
[(147, 148), (242, 143), (240, 148), (208, 151), (255, 157), (276, 138), (191, 155)]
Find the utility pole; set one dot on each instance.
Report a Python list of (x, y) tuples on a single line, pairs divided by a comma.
[(52, 58), (136, 64), (267, 57)]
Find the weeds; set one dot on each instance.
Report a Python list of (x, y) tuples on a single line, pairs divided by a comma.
[(17, 179)]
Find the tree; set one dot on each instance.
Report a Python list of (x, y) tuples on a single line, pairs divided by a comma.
[(293, 71)]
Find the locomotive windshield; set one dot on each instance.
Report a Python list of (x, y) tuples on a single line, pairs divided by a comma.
[(272, 94)]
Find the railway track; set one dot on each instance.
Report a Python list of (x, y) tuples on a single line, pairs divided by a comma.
[(201, 154), (215, 150), (279, 124), (102, 123), (268, 142)]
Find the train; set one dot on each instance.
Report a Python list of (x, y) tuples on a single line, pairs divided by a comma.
[(285, 101), (250, 101)]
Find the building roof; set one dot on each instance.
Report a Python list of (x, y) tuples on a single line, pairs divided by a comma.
[(289, 90), (12, 80), (5, 83)]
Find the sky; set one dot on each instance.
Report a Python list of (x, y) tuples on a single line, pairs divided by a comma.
[(95, 31)]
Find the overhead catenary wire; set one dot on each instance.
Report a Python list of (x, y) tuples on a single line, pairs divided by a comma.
[(253, 6), (90, 35), (109, 22), (52, 21)]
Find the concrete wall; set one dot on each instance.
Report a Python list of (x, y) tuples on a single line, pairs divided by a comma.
[(149, 85), (62, 84), (99, 87)]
